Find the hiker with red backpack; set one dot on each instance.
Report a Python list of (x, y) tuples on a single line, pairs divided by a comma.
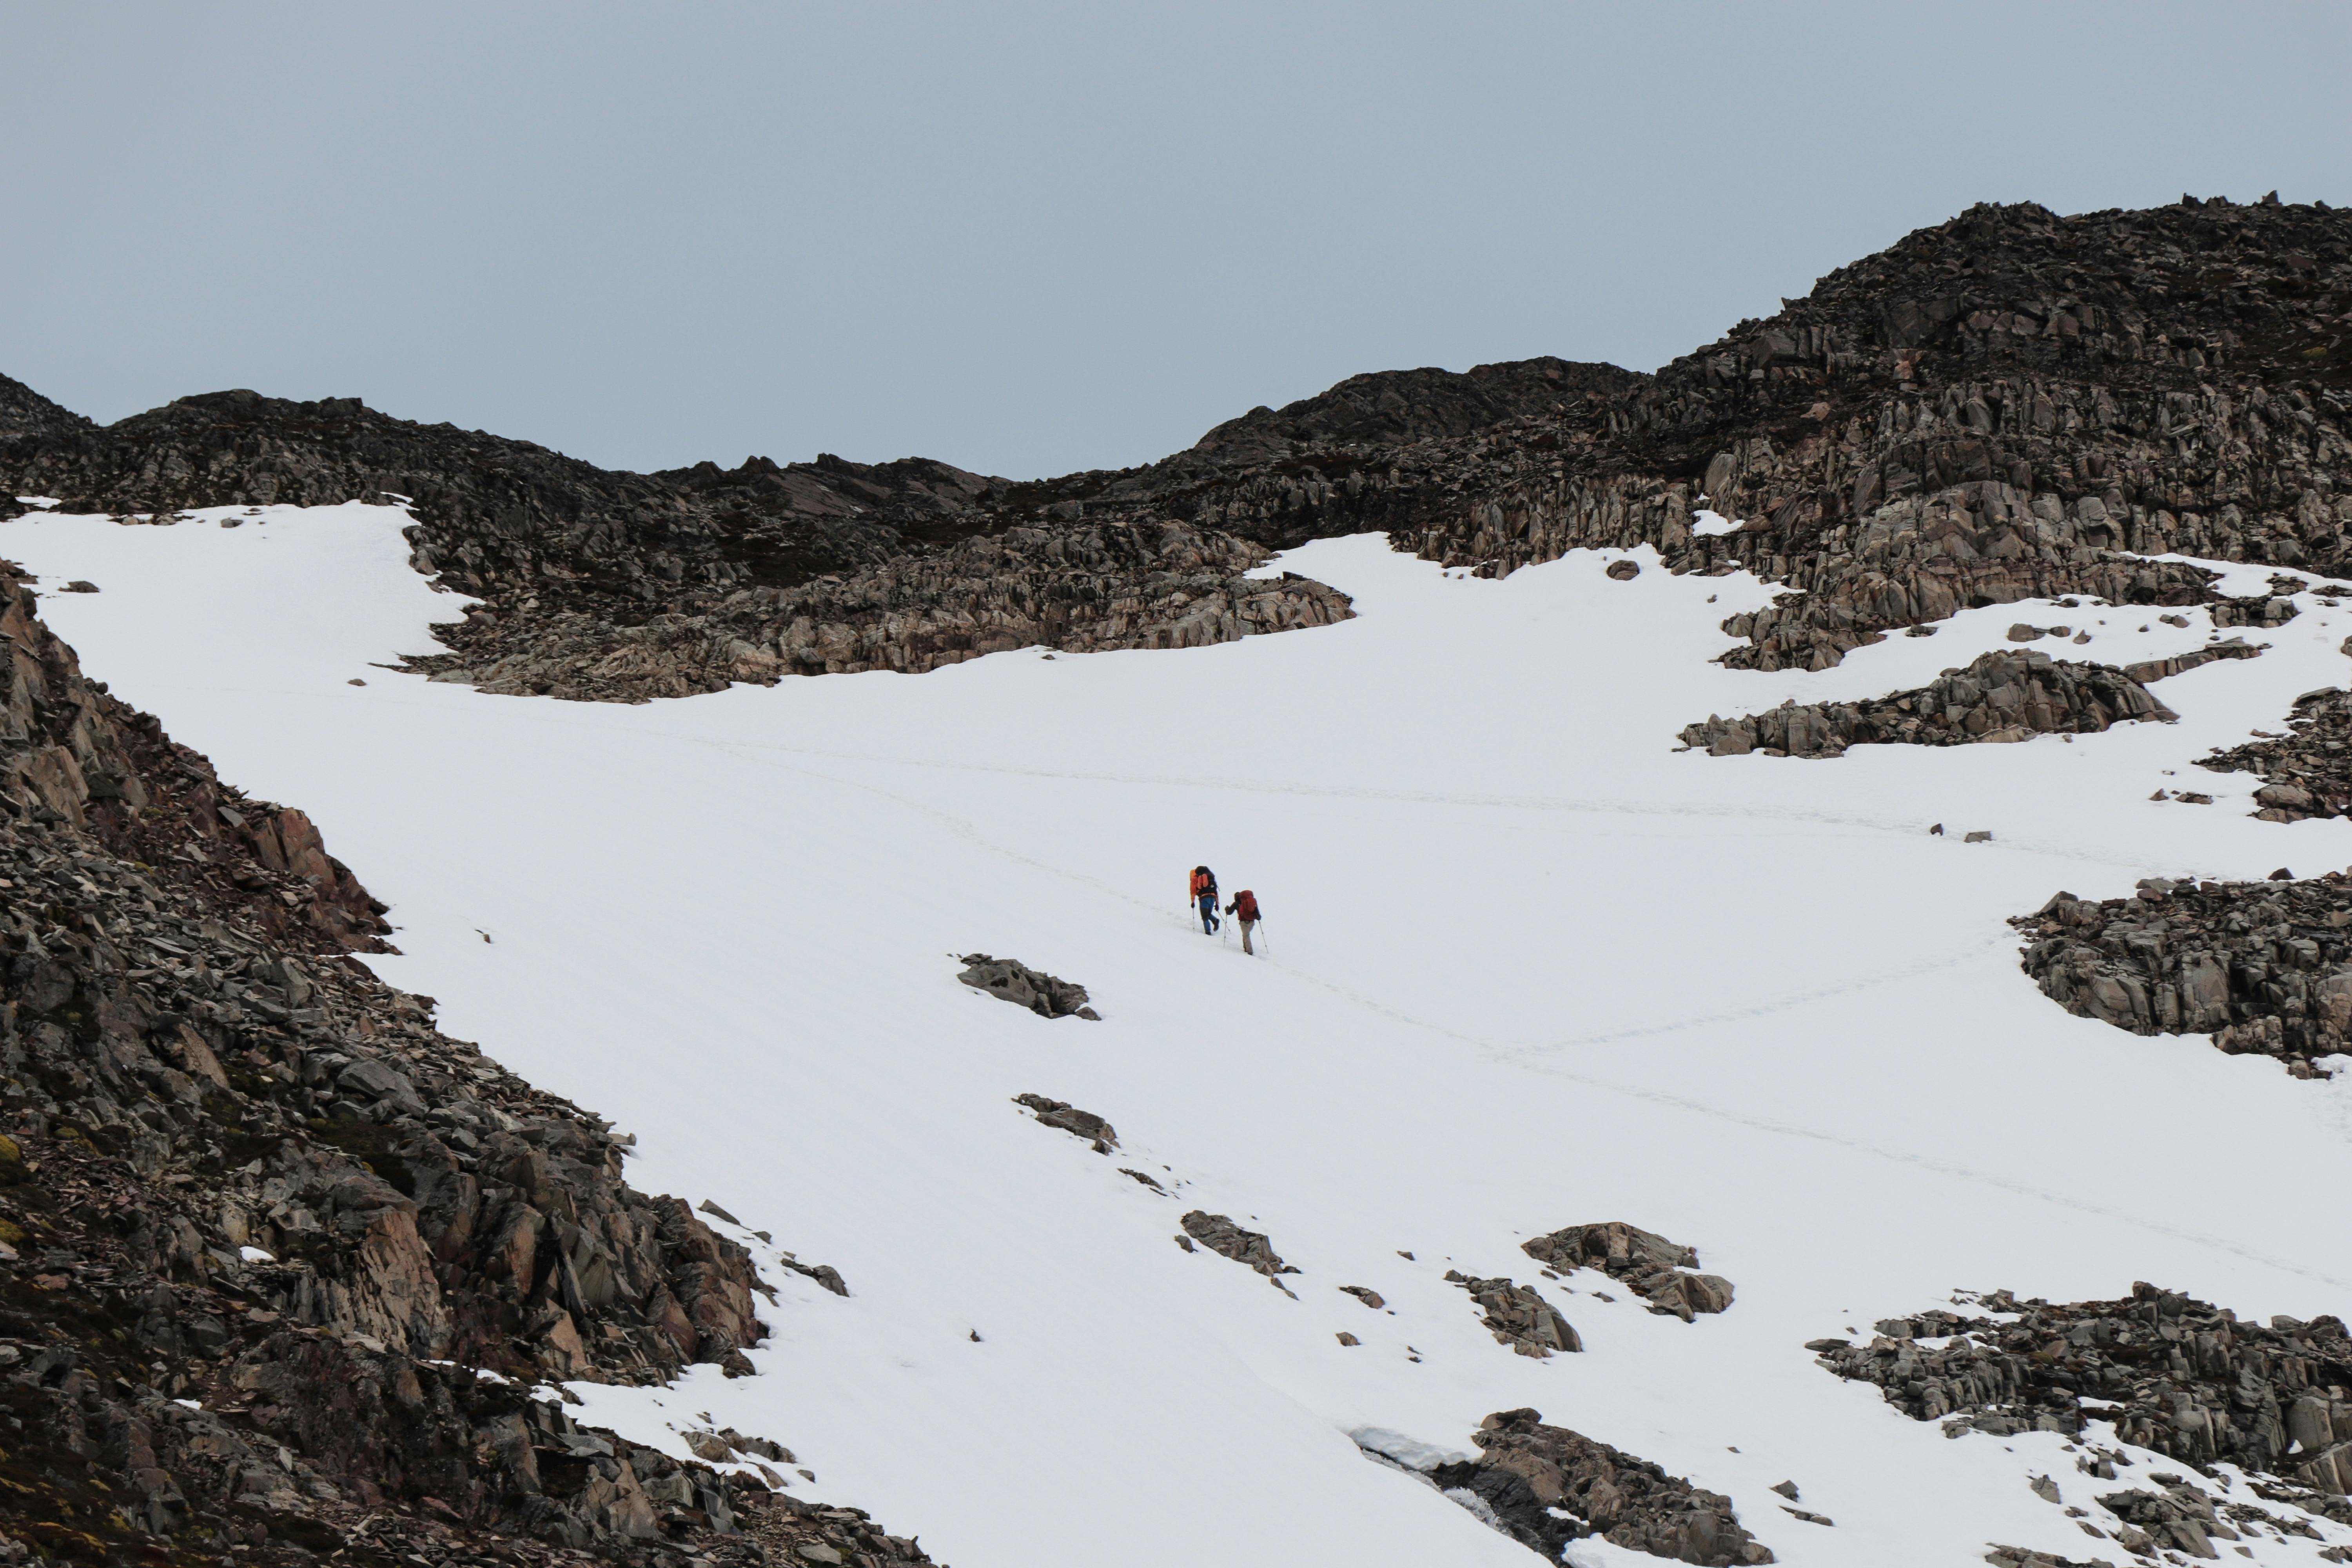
[(1204, 897), (1245, 909)]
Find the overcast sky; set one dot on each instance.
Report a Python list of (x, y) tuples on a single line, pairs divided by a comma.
[(1030, 239)]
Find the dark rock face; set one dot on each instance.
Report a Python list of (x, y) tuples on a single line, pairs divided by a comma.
[(26, 414), (1978, 415), (2174, 1374), (1078, 1123), (1396, 409), (240, 1169), (1658, 1270), (2307, 772), (1220, 1235), (1518, 1317), (1531, 1475), (2265, 966), (1999, 696), (1025, 987)]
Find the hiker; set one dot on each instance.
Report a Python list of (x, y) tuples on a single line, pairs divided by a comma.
[(1245, 909), (1205, 896)]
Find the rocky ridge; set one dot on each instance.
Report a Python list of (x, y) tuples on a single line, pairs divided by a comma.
[(241, 1174), (2265, 967), (1999, 696), (2173, 1374), (2012, 404)]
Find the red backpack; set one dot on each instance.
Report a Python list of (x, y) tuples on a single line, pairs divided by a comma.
[(1246, 904)]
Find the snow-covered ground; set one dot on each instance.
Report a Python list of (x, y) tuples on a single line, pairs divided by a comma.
[(1530, 967)]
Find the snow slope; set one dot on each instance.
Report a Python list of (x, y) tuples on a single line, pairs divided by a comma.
[(1530, 967)]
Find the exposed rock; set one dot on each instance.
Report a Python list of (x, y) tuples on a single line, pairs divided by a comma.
[(2181, 1517), (1151, 584), (2265, 967), (2307, 772), (1518, 1317), (1624, 571), (1220, 1235), (257, 1177), (2154, 670), (1546, 1485), (2012, 401), (1999, 697), (1644, 1262), (1084, 1124), (2020, 1557), (2172, 1374), (1366, 1294), (1025, 987)]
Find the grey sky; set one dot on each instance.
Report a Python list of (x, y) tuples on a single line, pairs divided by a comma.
[(1029, 238)]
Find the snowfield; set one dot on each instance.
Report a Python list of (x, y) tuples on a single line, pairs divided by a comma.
[(1530, 966)]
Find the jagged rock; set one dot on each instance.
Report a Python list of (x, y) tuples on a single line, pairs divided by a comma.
[(1999, 696), (1220, 1235), (1546, 1485), (1366, 1294), (1518, 1317), (2174, 1374), (1624, 571), (1644, 1262), (2014, 401), (2265, 967), (2308, 771), (1025, 987), (2007, 406), (262, 1180), (1088, 589), (2154, 670), (1084, 1124), (2020, 1557)]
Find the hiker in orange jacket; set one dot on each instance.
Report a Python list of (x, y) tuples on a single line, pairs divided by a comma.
[(1204, 897), (1245, 909)]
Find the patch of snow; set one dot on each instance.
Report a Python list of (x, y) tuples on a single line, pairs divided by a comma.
[(1530, 967), (256, 1254), (1709, 523)]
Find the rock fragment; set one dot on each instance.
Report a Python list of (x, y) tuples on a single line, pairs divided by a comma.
[(1220, 1235), (1079, 1123), (1017, 982), (1659, 1271), (1547, 1486), (1518, 1317)]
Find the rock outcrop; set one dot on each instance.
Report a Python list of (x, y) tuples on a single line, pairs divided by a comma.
[(2306, 772), (1220, 1235), (2173, 1374), (1078, 1123), (1660, 1272), (1546, 1487), (240, 1170), (2000, 696), (2265, 967), (1991, 410), (1042, 993), (1518, 1317), (2009, 406)]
